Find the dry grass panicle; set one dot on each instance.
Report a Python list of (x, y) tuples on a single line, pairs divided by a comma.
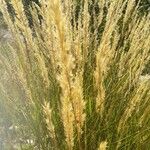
[(77, 75)]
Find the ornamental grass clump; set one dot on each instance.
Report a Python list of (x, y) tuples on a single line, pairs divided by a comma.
[(72, 79)]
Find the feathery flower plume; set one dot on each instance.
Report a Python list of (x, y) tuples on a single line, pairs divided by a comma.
[(48, 114), (103, 145), (71, 87)]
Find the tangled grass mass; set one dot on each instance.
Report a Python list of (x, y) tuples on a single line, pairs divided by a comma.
[(72, 79)]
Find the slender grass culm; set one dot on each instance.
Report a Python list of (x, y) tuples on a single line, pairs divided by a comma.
[(71, 81)]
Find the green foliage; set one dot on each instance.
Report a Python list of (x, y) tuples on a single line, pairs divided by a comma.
[(144, 6)]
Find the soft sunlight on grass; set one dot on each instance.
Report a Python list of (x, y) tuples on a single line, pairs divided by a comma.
[(72, 80)]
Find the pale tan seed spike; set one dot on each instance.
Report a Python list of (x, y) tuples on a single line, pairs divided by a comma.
[(48, 115), (130, 6), (85, 29), (71, 97), (133, 103), (21, 20), (103, 145)]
